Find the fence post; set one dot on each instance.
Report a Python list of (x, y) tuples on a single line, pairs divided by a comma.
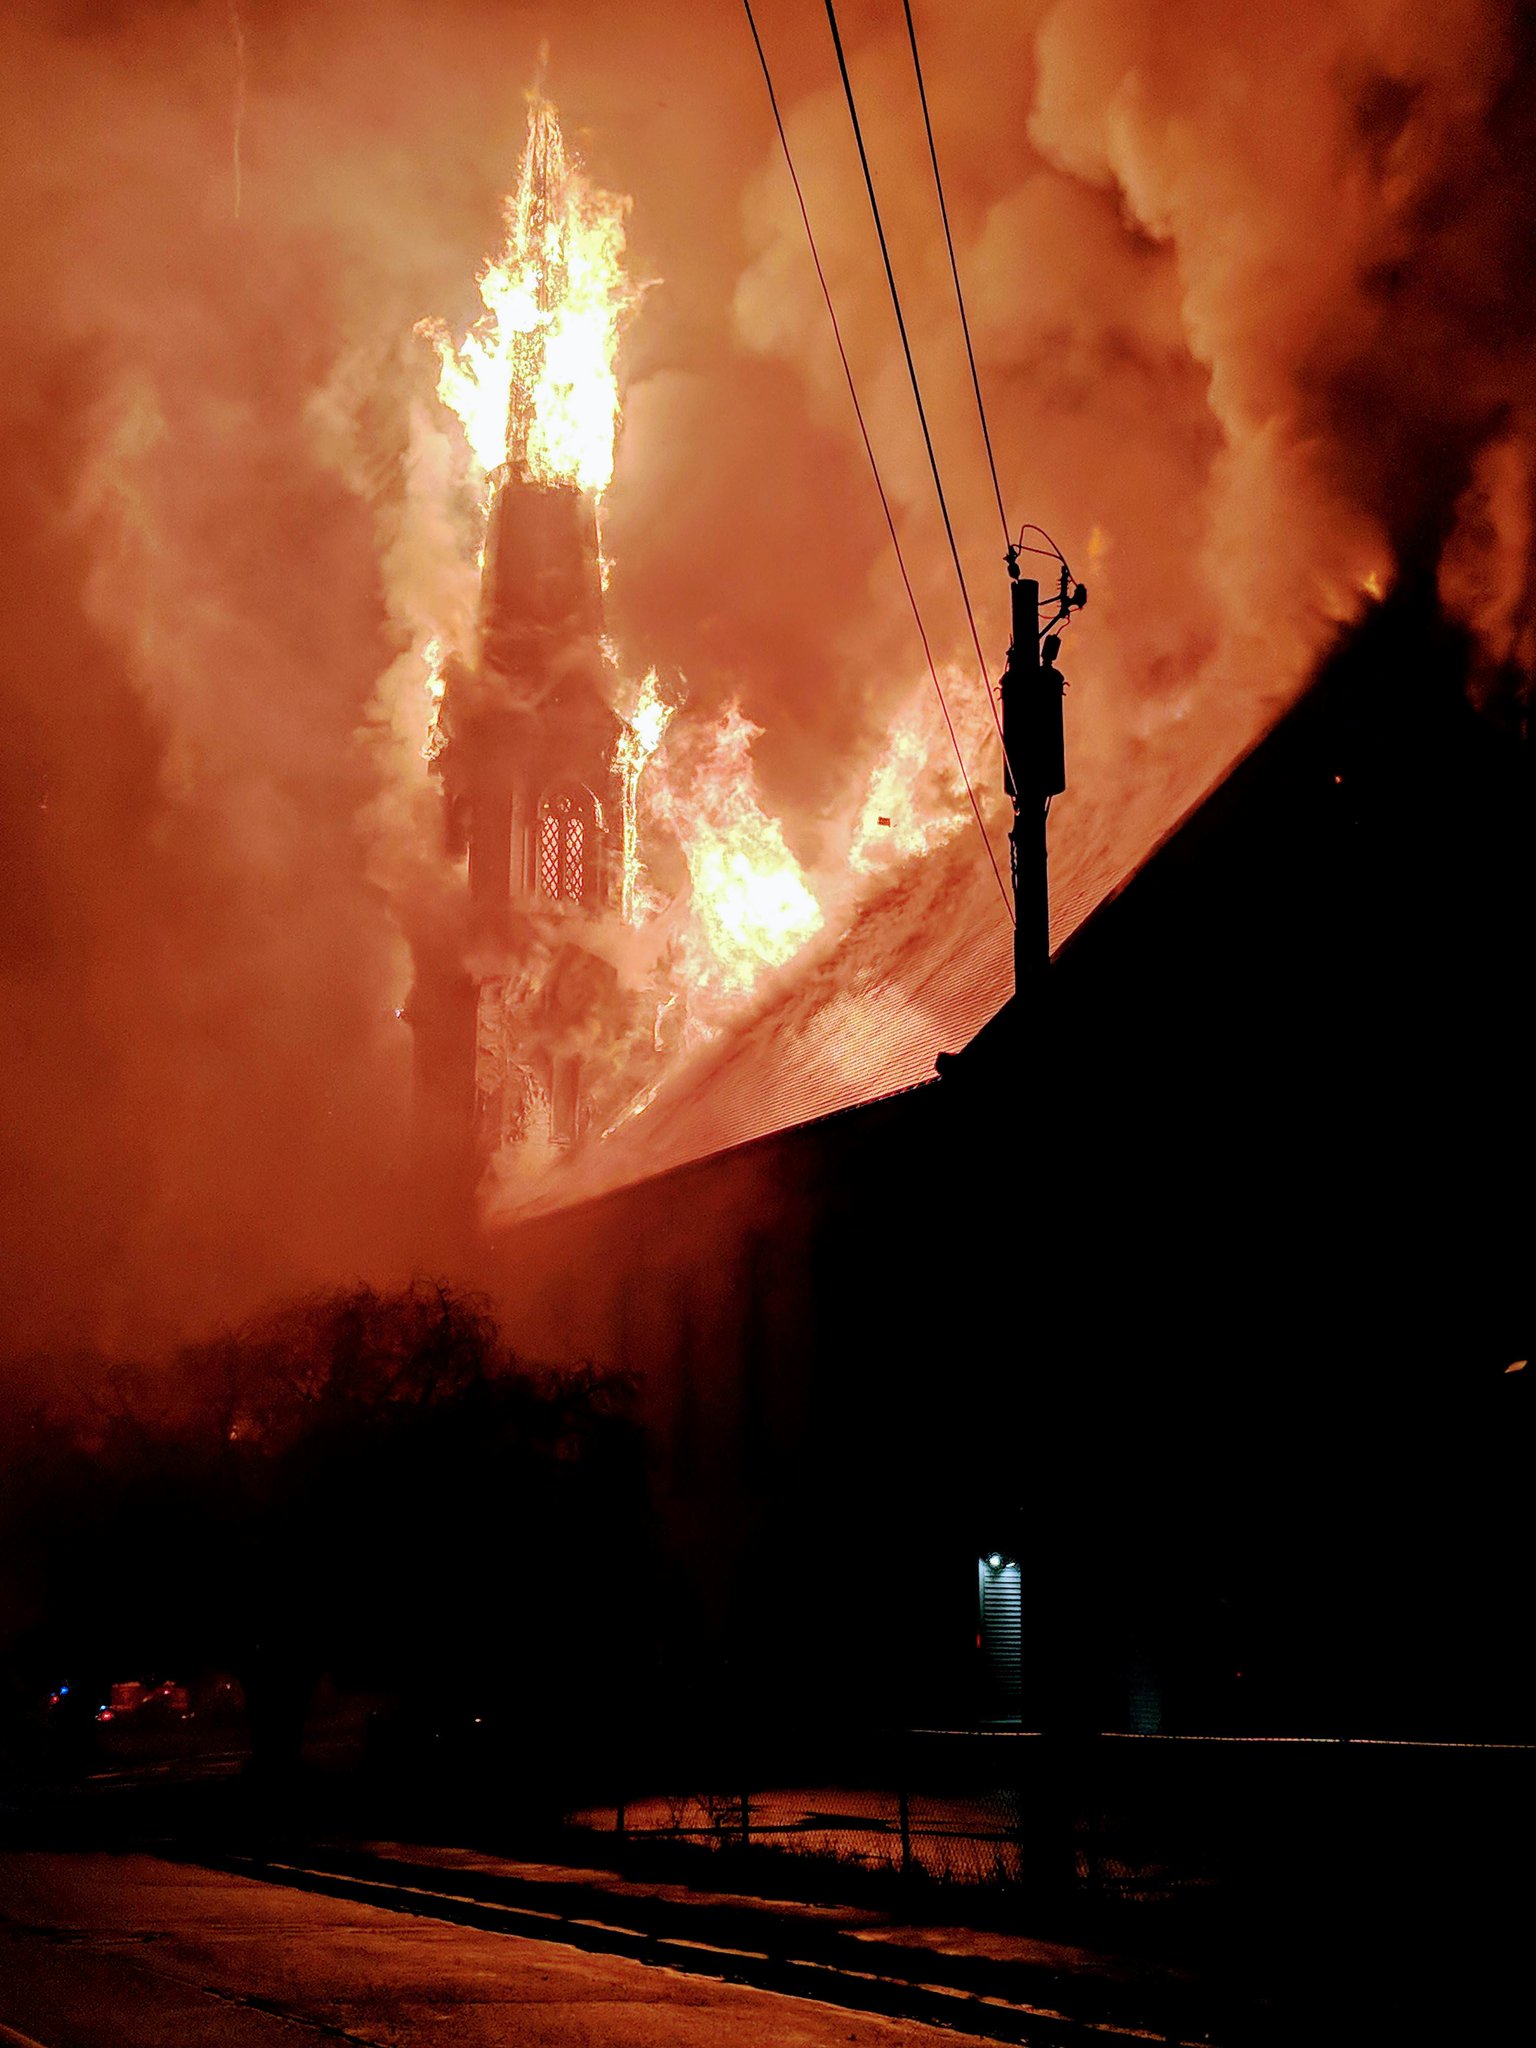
[(904, 1817), (746, 1817)]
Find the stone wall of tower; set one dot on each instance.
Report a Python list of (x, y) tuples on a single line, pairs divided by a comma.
[(526, 768)]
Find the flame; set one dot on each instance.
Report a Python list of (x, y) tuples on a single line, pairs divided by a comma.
[(915, 799), (644, 727), (534, 388), (891, 824), (533, 382), (750, 905), (436, 687)]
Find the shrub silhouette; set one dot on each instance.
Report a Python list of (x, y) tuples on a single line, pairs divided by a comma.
[(357, 1482)]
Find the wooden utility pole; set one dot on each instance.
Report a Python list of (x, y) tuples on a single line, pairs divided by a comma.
[(1034, 770)]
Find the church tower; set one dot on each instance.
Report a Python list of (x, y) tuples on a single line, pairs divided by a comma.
[(513, 1007), (532, 794)]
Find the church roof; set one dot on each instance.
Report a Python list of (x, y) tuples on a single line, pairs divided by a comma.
[(922, 966), (1300, 817)]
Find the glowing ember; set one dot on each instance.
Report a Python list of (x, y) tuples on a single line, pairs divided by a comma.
[(642, 735), (533, 382), (749, 901)]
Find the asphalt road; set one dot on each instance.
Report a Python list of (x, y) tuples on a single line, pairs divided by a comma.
[(104, 1951)]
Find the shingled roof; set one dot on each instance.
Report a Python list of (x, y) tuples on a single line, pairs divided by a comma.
[(925, 962)]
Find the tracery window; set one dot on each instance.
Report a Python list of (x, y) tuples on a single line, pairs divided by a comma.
[(563, 848)]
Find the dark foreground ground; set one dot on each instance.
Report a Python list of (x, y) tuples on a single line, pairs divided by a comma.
[(137, 1952), (155, 1907)]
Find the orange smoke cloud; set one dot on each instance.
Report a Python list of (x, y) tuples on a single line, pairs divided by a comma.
[(1252, 295)]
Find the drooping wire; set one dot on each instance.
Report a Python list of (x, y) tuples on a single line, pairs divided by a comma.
[(954, 269), (1050, 547), (917, 391), (885, 503)]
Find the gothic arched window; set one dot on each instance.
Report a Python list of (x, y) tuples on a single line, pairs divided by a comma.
[(565, 847)]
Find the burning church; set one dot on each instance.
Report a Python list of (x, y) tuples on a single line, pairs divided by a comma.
[(1156, 1300), (1189, 1291)]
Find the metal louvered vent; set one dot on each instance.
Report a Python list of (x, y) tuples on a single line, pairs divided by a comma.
[(1002, 1644)]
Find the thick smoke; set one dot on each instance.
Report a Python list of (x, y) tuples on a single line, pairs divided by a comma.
[(1193, 275), (1252, 292)]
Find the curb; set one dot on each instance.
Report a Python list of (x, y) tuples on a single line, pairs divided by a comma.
[(586, 1920)]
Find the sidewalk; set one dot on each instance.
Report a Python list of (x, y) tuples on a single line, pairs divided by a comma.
[(999, 1985), (1331, 1951)]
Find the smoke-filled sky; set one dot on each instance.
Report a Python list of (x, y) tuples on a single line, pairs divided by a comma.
[(1252, 292)]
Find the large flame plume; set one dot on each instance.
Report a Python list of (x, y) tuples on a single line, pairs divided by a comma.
[(534, 383), (534, 386), (751, 906)]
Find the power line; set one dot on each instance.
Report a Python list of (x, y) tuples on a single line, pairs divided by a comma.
[(954, 270), (917, 393), (1050, 548), (885, 503)]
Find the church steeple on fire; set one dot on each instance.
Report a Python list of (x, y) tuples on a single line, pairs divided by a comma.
[(552, 990), (524, 737)]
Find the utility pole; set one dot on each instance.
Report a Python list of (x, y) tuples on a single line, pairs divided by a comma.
[(1034, 771), (1034, 764)]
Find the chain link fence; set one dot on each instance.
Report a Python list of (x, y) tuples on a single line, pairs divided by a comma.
[(970, 1840), (1137, 1819)]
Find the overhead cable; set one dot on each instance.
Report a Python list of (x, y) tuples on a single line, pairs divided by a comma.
[(954, 270), (885, 503), (917, 392)]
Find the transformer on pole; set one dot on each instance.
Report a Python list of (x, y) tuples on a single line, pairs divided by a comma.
[(1034, 765)]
